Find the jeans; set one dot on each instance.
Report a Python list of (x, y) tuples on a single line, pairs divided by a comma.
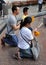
[(12, 40), (26, 53)]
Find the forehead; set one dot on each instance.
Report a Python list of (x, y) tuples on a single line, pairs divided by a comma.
[(18, 8)]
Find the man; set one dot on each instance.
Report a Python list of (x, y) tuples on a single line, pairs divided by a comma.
[(12, 20), (12, 25), (40, 2), (1, 2)]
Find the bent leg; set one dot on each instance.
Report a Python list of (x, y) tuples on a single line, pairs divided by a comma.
[(26, 53)]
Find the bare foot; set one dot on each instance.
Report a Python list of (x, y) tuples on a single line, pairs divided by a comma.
[(16, 56)]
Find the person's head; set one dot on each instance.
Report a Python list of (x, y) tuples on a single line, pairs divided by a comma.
[(25, 10), (27, 22), (15, 10)]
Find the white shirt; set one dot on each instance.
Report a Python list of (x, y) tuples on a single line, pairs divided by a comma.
[(40, 1), (25, 33)]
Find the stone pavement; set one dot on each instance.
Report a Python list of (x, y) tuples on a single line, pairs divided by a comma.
[(6, 59), (7, 52)]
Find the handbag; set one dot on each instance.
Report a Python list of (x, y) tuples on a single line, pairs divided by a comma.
[(35, 49)]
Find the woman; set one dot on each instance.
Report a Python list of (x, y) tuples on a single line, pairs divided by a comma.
[(25, 38)]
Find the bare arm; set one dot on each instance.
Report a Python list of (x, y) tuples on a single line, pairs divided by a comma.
[(16, 27)]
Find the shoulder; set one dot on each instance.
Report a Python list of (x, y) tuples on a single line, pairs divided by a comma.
[(11, 17), (25, 30), (23, 17), (12, 20)]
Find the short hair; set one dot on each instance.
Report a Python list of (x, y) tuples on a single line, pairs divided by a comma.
[(14, 8), (25, 9)]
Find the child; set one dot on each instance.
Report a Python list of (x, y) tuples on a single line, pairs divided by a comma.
[(25, 14)]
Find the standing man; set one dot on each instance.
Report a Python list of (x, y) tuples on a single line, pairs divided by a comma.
[(40, 2), (12, 25), (1, 2)]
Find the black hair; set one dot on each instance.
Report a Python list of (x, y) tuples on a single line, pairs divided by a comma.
[(25, 9), (14, 8), (26, 20)]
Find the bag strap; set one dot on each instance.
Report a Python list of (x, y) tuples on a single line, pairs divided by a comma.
[(23, 38), (9, 31), (31, 45)]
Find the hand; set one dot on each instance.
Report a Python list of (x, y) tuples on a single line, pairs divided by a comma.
[(35, 29), (18, 25)]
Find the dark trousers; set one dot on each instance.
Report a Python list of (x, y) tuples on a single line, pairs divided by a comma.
[(40, 8), (26, 53), (12, 40)]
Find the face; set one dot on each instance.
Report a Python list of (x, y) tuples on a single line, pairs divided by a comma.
[(26, 13), (17, 11)]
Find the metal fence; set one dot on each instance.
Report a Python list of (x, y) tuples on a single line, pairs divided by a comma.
[(4, 10)]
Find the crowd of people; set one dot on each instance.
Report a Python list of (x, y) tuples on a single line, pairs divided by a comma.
[(25, 35)]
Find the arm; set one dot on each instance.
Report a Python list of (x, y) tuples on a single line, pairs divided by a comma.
[(16, 27), (13, 23)]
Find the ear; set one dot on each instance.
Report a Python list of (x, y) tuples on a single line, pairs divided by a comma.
[(27, 24)]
